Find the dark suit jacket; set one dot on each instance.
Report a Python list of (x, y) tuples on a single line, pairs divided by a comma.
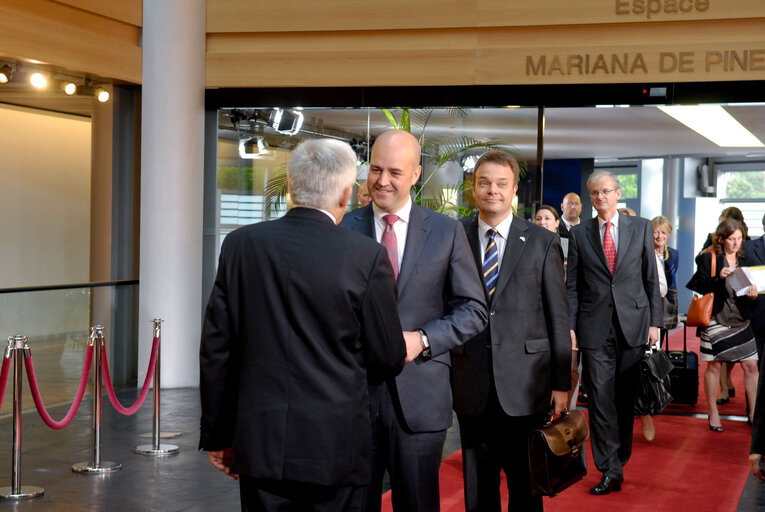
[(301, 312), (703, 282), (633, 289), (440, 292), (526, 348), (754, 254)]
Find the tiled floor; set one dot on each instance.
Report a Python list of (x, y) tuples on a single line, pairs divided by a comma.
[(183, 482)]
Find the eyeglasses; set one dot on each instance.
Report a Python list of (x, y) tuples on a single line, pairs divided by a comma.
[(604, 193)]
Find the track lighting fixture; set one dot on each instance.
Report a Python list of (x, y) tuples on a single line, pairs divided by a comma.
[(287, 122), (38, 80), (70, 88), (100, 93), (247, 144), (6, 73)]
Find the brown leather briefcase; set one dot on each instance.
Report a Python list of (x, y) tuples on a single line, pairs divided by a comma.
[(556, 454)]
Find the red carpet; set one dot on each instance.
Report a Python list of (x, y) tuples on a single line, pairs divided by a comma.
[(686, 468)]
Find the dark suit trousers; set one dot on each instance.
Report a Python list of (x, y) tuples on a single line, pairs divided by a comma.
[(258, 495), (611, 375), (494, 442), (412, 459)]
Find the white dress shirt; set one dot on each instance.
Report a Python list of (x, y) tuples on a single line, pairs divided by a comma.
[(503, 230), (400, 227), (614, 230)]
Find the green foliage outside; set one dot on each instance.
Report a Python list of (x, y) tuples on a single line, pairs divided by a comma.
[(746, 185), (629, 186), (232, 177)]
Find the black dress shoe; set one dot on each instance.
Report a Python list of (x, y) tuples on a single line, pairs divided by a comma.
[(607, 484)]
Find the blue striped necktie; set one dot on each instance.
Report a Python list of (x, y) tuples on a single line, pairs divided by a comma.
[(491, 263)]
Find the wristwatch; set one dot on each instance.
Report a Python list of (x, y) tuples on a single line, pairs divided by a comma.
[(425, 344)]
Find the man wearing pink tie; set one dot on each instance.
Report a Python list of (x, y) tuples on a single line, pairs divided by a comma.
[(441, 305)]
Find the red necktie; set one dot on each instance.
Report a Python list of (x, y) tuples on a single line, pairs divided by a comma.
[(390, 243), (609, 248)]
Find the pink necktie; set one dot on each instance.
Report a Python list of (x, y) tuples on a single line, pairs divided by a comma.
[(390, 243), (609, 248)]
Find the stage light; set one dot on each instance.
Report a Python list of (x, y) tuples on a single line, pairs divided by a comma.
[(38, 80), (250, 143), (6, 74), (70, 88), (102, 95), (287, 122)]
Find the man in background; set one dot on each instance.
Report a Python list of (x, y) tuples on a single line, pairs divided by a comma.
[(441, 304), (363, 196), (302, 315), (615, 308), (570, 209), (506, 379)]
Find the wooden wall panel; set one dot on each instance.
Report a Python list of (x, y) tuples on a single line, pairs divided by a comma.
[(224, 16), (595, 53), (72, 38), (127, 11)]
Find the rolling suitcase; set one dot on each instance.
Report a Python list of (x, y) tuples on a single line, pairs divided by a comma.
[(684, 377)]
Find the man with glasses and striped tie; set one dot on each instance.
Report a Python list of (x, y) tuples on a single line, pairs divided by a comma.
[(613, 296), (508, 377)]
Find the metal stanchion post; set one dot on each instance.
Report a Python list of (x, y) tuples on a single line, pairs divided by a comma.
[(156, 448), (97, 466), (15, 491)]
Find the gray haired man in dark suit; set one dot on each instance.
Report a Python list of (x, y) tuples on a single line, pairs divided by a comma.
[(615, 307)]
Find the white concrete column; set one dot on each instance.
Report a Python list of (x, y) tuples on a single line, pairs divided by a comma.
[(172, 142)]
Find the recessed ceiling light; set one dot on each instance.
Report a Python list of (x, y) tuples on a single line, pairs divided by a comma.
[(714, 123)]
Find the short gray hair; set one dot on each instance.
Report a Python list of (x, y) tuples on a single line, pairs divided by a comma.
[(319, 170), (602, 174)]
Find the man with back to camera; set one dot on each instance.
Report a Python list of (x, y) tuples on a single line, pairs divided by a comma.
[(615, 308), (506, 379), (570, 208), (301, 316), (441, 305)]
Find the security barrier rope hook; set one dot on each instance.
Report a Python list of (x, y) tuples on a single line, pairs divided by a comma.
[(18, 348)]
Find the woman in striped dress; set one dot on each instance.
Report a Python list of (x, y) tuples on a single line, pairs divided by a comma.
[(729, 338)]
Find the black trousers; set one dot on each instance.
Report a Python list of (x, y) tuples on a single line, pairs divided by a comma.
[(258, 495), (412, 460), (494, 442), (611, 376)]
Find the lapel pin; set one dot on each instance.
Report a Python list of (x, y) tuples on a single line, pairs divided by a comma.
[(522, 238)]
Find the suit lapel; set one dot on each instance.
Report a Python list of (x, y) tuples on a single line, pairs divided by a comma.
[(416, 235), (475, 247), (626, 232), (365, 223), (593, 235), (514, 246)]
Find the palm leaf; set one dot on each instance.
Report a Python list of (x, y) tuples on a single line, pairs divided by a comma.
[(276, 191), (391, 117)]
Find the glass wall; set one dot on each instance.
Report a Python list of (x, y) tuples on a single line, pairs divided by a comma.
[(253, 150)]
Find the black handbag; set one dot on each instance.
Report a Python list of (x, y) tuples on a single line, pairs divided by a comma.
[(669, 310), (556, 454), (653, 383)]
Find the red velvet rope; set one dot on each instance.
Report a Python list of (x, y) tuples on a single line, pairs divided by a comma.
[(4, 378), (127, 411), (58, 425)]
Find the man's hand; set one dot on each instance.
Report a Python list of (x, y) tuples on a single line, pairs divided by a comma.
[(653, 335), (755, 459), (221, 459), (560, 400), (574, 345), (752, 293), (413, 345)]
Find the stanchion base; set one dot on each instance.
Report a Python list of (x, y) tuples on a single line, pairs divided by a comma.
[(25, 493), (163, 449), (89, 467)]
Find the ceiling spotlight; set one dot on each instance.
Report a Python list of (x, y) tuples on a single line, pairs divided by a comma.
[(70, 88), (6, 73), (38, 80), (248, 144), (102, 95), (287, 122)]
